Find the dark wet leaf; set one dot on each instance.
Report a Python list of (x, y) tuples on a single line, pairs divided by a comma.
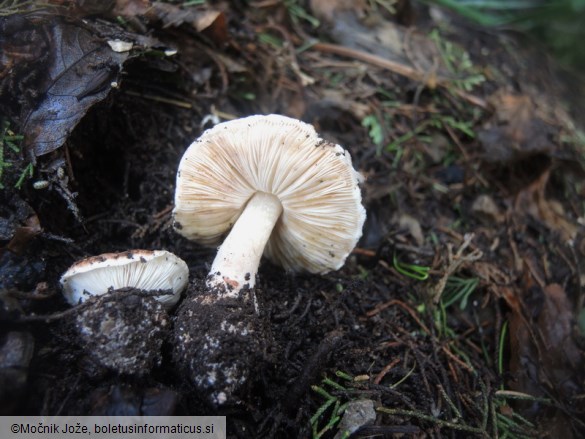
[(523, 355), (20, 272), (79, 72), (556, 326), (451, 174), (544, 357), (16, 218), (116, 401)]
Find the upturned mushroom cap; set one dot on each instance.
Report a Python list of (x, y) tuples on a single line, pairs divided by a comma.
[(322, 214), (148, 270)]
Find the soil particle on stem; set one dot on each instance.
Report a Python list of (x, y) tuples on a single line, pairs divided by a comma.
[(218, 342), (123, 333)]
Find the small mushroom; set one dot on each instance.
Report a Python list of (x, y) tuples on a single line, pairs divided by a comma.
[(120, 328), (282, 190), (276, 189), (148, 270)]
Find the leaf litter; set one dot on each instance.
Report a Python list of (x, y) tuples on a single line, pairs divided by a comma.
[(457, 313)]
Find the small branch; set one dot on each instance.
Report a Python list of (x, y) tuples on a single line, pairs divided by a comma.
[(400, 69), (455, 261), (161, 99), (432, 419), (95, 300)]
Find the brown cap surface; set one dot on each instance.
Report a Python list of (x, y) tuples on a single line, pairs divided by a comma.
[(148, 270)]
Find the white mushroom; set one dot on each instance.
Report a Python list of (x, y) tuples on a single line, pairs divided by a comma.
[(282, 190), (142, 269)]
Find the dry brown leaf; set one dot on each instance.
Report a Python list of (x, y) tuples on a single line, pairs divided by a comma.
[(491, 274), (486, 209), (532, 201), (412, 225), (524, 357), (516, 131), (338, 99), (544, 358), (556, 322), (523, 364), (23, 235), (355, 26), (206, 19), (212, 22), (131, 8), (19, 224), (329, 10)]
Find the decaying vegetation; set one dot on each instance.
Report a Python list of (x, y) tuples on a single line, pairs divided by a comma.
[(459, 314)]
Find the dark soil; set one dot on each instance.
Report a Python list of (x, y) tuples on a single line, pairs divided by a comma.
[(481, 185)]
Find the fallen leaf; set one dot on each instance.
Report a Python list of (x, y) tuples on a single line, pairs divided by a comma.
[(54, 69), (524, 361), (358, 26), (556, 323), (412, 225), (486, 209), (532, 201), (212, 22), (18, 222), (515, 131), (79, 71), (206, 19), (131, 8), (329, 10), (545, 360), (23, 235)]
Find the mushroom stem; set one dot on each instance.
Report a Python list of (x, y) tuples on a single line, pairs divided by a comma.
[(238, 258)]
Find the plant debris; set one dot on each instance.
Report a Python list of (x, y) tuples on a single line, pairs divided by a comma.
[(457, 313)]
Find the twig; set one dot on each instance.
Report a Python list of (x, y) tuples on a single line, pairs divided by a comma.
[(385, 370), (160, 99), (432, 419), (402, 305), (400, 69), (95, 300), (364, 252), (449, 402), (511, 394), (466, 157), (455, 261), (311, 369)]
